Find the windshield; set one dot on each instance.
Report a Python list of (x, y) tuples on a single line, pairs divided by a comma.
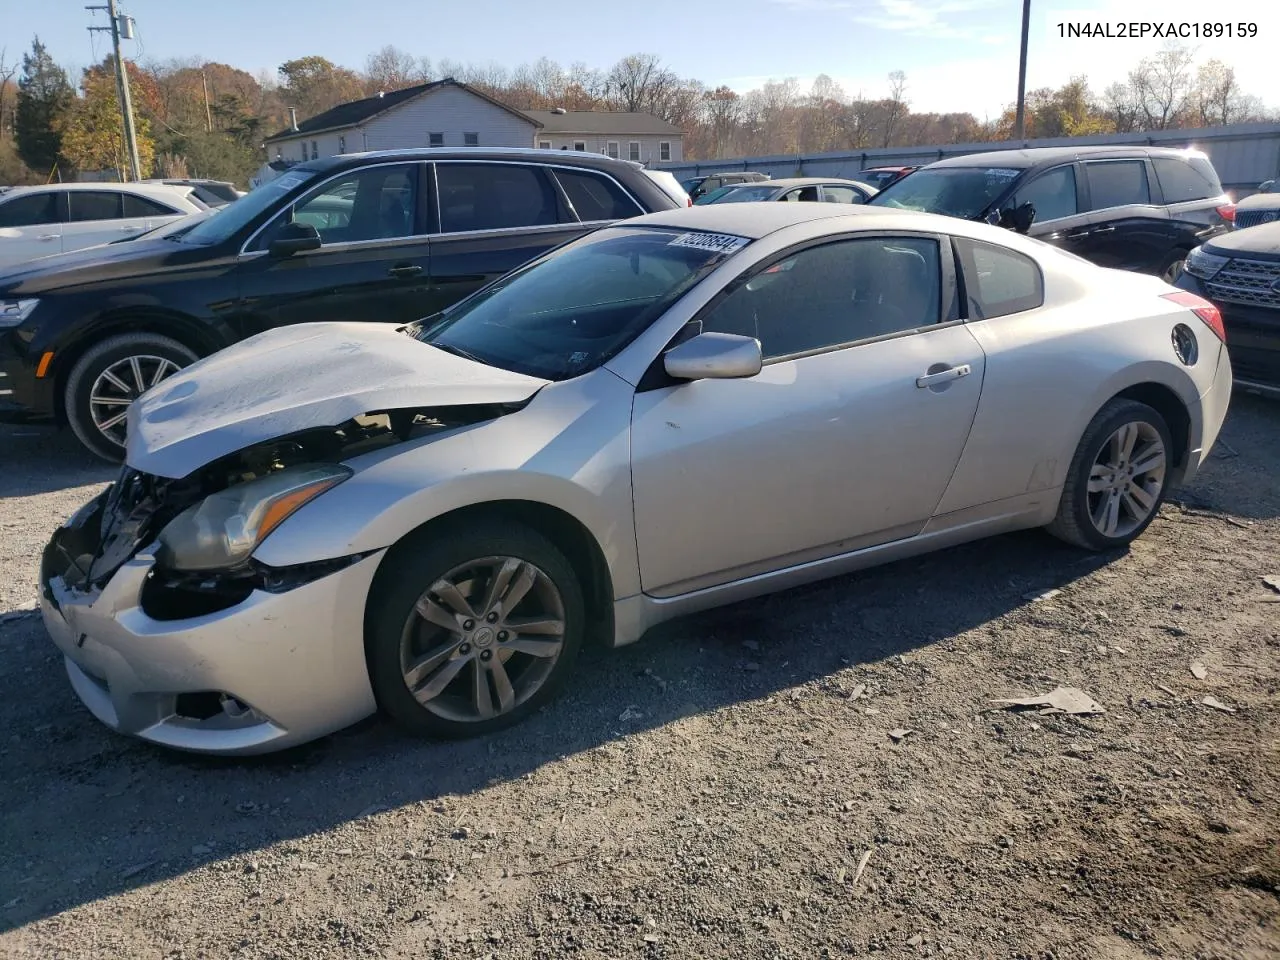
[(955, 191), (239, 213), (741, 194), (568, 313), (714, 195)]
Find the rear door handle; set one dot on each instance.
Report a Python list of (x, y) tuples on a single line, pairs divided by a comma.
[(405, 270), (129, 229), (943, 376), (1104, 229), (1078, 234)]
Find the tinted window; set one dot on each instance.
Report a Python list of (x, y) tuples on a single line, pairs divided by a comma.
[(136, 206), (1114, 183), (29, 211), (1052, 192), (568, 313), (493, 196), (964, 192), (998, 281), (834, 294), (94, 205), (377, 203), (1182, 181), (595, 197), (838, 194), (235, 216)]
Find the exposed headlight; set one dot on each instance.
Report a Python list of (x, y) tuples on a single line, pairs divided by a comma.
[(1204, 265), (223, 529), (13, 312)]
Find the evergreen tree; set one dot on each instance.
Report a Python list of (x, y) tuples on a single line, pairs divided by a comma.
[(44, 99)]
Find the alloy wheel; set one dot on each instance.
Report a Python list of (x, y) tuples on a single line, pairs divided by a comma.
[(1126, 479), (117, 386), (1173, 271), (483, 639)]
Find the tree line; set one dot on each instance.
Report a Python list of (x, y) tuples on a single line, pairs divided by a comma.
[(198, 118)]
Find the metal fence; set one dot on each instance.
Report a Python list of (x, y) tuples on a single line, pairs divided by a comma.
[(1244, 154)]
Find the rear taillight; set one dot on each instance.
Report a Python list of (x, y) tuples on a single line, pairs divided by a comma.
[(1202, 308), (1227, 212)]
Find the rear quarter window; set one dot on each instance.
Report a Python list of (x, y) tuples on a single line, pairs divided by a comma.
[(595, 197), (998, 281), (1183, 180)]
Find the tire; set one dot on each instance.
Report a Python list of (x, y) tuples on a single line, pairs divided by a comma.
[(1172, 266), (154, 353), (400, 640), (1095, 459)]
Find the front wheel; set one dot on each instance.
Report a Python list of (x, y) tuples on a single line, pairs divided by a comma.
[(472, 628), (109, 377), (1118, 477)]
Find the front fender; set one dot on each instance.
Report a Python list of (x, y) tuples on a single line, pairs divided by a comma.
[(568, 449)]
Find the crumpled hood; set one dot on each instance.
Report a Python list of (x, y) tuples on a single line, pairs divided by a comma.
[(295, 378)]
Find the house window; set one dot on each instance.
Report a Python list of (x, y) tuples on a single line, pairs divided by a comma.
[(342, 144), (580, 145), (471, 139), (612, 149), (664, 150), (315, 150), (633, 151), (544, 144), (435, 139)]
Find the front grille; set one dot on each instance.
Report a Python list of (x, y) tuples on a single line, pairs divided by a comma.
[(1253, 282), (1253, 218)]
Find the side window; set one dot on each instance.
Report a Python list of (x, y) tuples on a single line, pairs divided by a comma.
[(1182, 181), (36, 209), (834, 294), (136, 206), (998, 281), (94, 205), (1115, 183), (595, 197), (834, 193), (377, 203), (1053, 193), (494, 196), (801, 195)]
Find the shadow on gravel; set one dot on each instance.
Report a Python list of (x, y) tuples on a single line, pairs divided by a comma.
[(88, 814), (41, 459)]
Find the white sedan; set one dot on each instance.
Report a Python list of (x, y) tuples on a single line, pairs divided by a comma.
[(61, 217), (667, 415)]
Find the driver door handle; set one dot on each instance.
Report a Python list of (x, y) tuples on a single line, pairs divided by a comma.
[(405, 270), (943, 376), (1077, 235), (1110, 229)]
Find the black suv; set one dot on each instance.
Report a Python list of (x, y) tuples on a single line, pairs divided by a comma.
[(1135, 208), (698, 186), (391, 236)]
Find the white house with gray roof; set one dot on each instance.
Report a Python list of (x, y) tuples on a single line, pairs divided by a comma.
[(447, 113)]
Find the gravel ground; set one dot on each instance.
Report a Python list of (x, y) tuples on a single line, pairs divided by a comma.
[(730, 787)]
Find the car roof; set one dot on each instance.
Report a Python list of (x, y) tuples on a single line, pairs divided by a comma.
[(566, 158), (806, 181), (757, 220), (1035, 156), (142, 187)]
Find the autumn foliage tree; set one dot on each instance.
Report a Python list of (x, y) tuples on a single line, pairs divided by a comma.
[(93, 132)]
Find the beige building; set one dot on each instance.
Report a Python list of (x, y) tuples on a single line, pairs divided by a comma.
[(447, 113)]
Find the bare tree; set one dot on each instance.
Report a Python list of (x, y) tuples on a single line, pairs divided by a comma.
[(1121, 107), (1162, 87), (7, 72), (637, 81), (391, 69), (897, 105)]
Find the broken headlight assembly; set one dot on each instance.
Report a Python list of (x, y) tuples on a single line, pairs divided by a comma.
[(222, 530)]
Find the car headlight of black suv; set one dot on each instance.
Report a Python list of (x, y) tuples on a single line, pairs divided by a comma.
[(1204, 265)]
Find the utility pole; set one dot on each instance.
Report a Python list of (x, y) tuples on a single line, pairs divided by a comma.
[(1019, 130), (122, 81), (208, 117)]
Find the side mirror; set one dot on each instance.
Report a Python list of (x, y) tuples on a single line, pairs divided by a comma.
[(714, 356), (1266, 186), (1019, 218), (294, 237)]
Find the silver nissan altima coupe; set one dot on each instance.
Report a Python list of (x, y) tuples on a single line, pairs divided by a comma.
[(667, 415)]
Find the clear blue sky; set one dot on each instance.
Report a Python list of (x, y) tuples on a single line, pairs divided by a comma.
[(957, 54)]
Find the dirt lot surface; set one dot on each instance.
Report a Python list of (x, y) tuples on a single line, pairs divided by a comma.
[(730, 787)]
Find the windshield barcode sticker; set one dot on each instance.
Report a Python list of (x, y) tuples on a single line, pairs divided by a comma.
[(725, 243)]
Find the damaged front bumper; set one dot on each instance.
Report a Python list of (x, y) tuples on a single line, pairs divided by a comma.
[(269, 671)]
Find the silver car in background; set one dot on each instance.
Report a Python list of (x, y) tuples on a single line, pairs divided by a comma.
[(664, 416)]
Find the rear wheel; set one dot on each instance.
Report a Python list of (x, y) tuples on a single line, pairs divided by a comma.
[(109, 377), (472, 628), (1118, 477), (1173, 266)]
